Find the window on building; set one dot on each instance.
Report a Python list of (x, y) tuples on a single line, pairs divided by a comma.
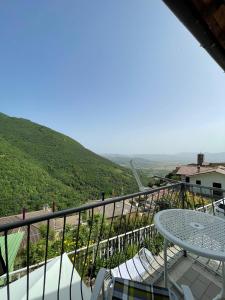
[(217, 193), (187, 179), (217, 185), (198, 182)]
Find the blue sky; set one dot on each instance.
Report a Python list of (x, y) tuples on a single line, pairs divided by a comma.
[(118, 76)]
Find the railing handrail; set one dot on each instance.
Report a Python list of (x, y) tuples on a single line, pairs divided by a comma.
[(95, 244), (204, 187), (115, 237), (208, 205), (97, 203), (70, 211)]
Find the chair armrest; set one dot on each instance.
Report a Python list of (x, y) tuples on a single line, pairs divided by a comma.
[(99, 284), (187, 293)]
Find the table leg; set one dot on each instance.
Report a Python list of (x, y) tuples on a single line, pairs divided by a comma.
[(165, 263), (221, 295)]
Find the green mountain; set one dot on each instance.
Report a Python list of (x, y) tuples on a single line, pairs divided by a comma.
[(39, 165)]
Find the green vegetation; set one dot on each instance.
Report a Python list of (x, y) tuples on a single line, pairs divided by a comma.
[(194, 201), (173, 175), (39, 165), (88, 264), (97, 228)]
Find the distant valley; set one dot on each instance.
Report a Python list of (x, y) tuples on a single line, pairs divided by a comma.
[(161, 164)]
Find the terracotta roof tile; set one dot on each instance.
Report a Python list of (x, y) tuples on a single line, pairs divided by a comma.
[(192, 170)]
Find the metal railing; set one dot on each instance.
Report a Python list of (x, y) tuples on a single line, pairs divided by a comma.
[(102, 234)]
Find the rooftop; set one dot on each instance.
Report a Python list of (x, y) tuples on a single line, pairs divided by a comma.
[(190, 170), (206, 21)]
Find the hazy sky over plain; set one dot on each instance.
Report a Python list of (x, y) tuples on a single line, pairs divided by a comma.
[(118, 76)]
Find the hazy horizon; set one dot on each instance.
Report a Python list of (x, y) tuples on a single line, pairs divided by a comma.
[(178, 158), (165, 153)]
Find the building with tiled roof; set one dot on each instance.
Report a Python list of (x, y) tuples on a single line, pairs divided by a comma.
[(190, 170), (205, 174)]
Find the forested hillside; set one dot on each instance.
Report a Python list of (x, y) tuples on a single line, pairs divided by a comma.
[(39, 165)]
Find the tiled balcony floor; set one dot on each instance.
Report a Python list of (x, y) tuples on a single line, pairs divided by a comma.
[(204, 284)]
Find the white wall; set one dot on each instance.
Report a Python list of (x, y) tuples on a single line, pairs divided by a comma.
[(207, 179)]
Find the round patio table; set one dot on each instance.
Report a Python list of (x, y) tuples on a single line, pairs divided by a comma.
[(197, 232)]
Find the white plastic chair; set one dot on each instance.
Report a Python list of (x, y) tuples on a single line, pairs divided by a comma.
[(99, 289), (135, 268)]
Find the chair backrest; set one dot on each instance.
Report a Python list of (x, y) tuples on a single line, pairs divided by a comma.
[(146, 256), (135, 268)]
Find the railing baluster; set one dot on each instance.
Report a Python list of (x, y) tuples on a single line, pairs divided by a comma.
[(28, 259), (182, 195), (193, 197), (46, 257), (97, 247), (109, 234), (75, 253), (202, 201), (144, 239), (121, 216), (212, 202), (62, 251), (170, 197), (138, 247), (86, 255), (7, 264), (125, 237), (223, 207)]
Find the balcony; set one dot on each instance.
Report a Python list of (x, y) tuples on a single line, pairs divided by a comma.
[(61, 253)]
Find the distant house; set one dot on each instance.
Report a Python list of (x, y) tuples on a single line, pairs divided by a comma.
[(214, 177), (205, 174)]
